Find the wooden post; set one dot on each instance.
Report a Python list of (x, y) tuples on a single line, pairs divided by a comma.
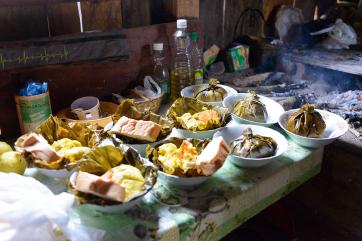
[(183, 8)]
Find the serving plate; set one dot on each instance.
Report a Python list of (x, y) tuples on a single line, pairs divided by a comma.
[(233, 131), (59, 174), (336, 126), (189, 92), (273, 108)]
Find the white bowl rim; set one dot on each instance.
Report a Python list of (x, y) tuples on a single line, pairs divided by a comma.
[(313, 138), (183, 178), (250, 121)]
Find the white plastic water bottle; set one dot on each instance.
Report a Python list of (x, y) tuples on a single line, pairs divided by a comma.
[(197, 59)]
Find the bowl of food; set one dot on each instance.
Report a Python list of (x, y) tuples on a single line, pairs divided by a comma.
[(117, 189), (195, 119), (250, 108), (312, 127), (57, 145), (188, 162), (253, 146), (138, 128), (212, 93)]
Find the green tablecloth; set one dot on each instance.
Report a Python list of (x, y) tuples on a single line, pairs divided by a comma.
[(230, 197)]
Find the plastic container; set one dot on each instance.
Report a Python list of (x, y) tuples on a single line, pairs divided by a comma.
[(197, 59), (181, 73), (160, 71), (32, 110)]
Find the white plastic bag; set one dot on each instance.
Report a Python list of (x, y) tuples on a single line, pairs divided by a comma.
[(30, 211)]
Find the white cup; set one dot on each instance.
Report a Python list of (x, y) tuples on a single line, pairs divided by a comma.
[(86, 108)]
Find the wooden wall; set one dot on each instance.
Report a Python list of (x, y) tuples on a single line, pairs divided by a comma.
[(68, 82)]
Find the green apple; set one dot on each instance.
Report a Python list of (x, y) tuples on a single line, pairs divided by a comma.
[(12, 161), (4, 147)]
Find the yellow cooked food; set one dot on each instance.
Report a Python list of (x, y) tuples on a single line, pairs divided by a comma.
[(69, 149), (201, 121), (175, 160), (128, 177)]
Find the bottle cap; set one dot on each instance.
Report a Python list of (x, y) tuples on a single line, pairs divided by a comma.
[(194, 36), (158, 46), (181, 23)]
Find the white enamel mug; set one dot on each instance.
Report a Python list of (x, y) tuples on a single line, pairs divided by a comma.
[(86, 108)]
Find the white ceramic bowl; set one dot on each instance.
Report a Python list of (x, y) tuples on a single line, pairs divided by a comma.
[(182, 182), (181, 133), (189, 92), (232, 132), (273, 108), (116, 208), (336, 126), (59, 174)]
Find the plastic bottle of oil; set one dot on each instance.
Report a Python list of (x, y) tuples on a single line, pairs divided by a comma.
[(181, 73)]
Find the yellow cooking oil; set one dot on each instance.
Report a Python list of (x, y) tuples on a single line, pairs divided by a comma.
[(180, 78)]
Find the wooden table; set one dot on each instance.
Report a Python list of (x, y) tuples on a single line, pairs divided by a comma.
[(228, 199)]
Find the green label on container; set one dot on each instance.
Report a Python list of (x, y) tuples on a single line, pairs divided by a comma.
[(34, 111), (199, 76)]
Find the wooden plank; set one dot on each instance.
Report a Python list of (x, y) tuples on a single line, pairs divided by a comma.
[(101, 15), (346, 61), (211, 16), (63, 19), (9, 3), (136, 13), (18, 23), (183, 8), (64, 49)]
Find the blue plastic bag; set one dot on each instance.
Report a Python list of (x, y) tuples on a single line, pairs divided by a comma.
[(33, 88)]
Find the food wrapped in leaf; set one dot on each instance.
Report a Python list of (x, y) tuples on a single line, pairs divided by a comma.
[(189, 157), (213, 93), (191, 114), (306, 122), (251, 108), (131, 179), (253, 146), (136, 127), (57, 144)]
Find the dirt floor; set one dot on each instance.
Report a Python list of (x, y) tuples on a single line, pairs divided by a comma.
[(288, 220)]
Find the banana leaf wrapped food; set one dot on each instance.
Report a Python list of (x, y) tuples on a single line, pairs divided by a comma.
[(57, 144), (191, 114), (189, 157), (133, 176), (132, 126), (253, 146), (212, 93), (306, 122), (251, 108)]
